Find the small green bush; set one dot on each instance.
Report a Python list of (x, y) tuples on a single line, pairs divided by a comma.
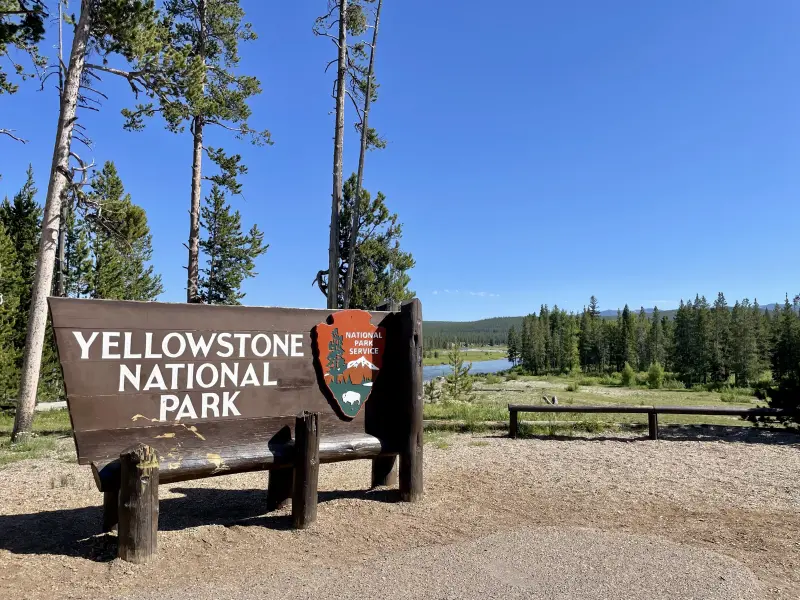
[(734, 394), (628, 375), (491, 378), (512, 377), (671, 383), (655, 376), (573, 386)]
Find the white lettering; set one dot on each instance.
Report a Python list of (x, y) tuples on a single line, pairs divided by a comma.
[(200, 344), (108, 344), (165, 345), (214, 373), (187, 410), (126, 374), (266, 376), (283, 343), (226, 344), (85, 344), (242, 337), (266, 342), (233, 375), (249, 377), (297, 344), (175, 368), (169, 403), (156, 380), (190, 376), (127, 352), (207, 404), (227, 404), (148, 346)]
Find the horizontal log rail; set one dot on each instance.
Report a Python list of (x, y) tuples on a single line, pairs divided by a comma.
[(652, 412)]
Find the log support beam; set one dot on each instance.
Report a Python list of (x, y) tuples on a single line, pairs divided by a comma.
[(138, 504)]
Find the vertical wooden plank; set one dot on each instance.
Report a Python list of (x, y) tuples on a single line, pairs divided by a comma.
[(306, 470), (384, 471), (279, 488), (110, 509), (411, 485), (513, 423), (138, 504), (652, 423)]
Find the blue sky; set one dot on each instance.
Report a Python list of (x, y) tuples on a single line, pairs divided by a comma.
[(538, 152)]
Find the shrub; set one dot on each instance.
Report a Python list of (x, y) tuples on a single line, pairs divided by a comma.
[(628, 375), (573, 386), (491, 378), (734, 394), (655, 376), (671, 383), (512, 377)]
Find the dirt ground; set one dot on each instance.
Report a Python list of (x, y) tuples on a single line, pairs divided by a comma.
[(740, 499)]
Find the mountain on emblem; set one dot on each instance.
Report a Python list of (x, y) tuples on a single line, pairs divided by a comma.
[(349, 352)]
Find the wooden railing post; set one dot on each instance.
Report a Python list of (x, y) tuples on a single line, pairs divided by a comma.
[(411, 485), (306, 470), (138, 504), (513, 423), (384, 471), (384, 468), (110, 509), (279, 488), (652, 424)]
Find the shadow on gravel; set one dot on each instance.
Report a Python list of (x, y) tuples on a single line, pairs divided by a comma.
[(76, 532)]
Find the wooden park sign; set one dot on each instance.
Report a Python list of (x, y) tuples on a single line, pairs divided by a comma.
[(211, 390)]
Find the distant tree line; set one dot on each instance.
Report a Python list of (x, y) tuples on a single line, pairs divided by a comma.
[(704, 343)]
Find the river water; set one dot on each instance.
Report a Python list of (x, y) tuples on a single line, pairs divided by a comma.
[(483, 366)]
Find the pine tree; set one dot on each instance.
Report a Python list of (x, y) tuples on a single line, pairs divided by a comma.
[(336, 364), (513, 345), (230, 255), (9, 305), (78, 268), (719, 343), (22, 219), (121, 244), (458, 383), (628, 342), (204, 38), (642, 333), (655, 339)]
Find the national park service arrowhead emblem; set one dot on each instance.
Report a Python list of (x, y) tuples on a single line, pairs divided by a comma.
[(349, 353)]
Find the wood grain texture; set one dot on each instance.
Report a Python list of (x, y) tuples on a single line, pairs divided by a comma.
[(138, 505), (411, 469), (306, 471)]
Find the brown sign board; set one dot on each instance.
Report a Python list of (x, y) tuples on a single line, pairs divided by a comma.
[(143, 364)]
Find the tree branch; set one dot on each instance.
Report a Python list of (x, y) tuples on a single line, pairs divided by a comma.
[(9, 133)]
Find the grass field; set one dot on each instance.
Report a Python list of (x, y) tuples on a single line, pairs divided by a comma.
[(473, 355), (52, 431), (491, 400)]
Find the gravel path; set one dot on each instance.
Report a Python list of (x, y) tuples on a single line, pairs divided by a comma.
[(611, 517)]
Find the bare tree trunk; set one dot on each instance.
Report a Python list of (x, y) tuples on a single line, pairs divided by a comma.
[(193, 268), (338, 166), (351, 258), (62, 230), (43, 279), (192, 286)]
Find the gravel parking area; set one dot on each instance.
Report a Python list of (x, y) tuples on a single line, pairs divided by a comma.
[(613, 516)]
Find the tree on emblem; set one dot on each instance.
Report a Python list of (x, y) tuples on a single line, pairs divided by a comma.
[(336, 364)]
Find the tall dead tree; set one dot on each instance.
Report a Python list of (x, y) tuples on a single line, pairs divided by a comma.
[(338, 160), (43, 278), (365, 132)]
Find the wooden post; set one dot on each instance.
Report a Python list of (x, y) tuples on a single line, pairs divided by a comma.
[(110, 509), (138, 504), (384, 471), (384, 468), (652, 423), (411, 451), (279, 488), (306, 470), (513, 423)]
